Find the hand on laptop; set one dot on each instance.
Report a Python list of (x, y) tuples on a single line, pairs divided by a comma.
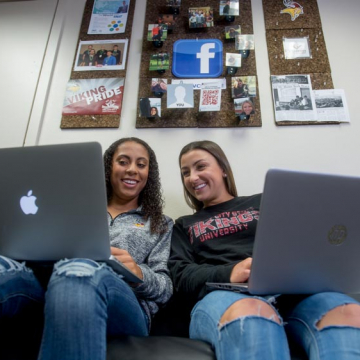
[(127, 260), (241, 271)]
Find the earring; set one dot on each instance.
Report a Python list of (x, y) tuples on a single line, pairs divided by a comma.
[(224, 175)]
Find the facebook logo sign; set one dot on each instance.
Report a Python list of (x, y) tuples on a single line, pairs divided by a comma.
[(197, 58)]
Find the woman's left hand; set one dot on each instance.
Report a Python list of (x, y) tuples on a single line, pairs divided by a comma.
[(127, 260)]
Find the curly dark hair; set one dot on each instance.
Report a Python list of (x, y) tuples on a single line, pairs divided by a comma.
[(150, 197), (216, 151)]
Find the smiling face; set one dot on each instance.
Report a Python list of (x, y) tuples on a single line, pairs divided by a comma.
[(130, 171), (203, 177), (247, 108)]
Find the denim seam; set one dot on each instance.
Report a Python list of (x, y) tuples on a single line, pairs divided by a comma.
[(209, 317), (19, 295), (250, 316), (310, 331)]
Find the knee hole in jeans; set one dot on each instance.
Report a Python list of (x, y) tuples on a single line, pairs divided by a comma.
[(7, 264), (77, 267), (249, 306), (343, 315)]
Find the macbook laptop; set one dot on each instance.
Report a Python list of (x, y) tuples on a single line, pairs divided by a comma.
[(308, 236), (53, 205)]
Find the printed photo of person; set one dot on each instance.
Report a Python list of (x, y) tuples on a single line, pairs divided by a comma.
[(159, 61), (243, 87), (157, 32), (229, 8), (200, 17), (158, 85), (232, 31), (150, 107), (123, 9), (99, 54), (244, 42), (167, 19), (244, 107)]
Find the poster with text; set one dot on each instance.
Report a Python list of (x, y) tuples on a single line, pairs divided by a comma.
[(109, 16), (93, 96)]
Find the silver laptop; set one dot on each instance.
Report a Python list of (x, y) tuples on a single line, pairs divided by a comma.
[(308, 236), (53, 205)]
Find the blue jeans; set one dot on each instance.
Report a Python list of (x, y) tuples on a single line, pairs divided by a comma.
[(254, 337), (85, 301)]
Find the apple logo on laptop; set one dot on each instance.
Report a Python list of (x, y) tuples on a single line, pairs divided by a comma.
[(27, 204)]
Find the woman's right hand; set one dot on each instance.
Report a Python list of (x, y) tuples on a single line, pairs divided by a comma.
[(241, 271)]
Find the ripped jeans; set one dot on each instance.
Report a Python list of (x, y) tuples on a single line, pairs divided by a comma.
[(257, 338), (85, 301)]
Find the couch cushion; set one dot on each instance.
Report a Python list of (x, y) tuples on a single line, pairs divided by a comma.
[(158, 348)]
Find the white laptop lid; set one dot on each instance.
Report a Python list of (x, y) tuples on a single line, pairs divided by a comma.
[(308, 235)]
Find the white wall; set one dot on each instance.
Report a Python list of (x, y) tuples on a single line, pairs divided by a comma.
[(326, 148), (24, 33)]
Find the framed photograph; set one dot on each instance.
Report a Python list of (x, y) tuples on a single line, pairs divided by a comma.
[(159, 61), (158, 85), (200, 17), (229, 7), (157, 32), (233, 60), (101, 55), (297, 48), (244, 107), (167, 19), (232, 31), (244, 42), (150, 107), (243, 87)]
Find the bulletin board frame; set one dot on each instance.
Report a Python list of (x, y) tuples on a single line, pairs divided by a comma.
[(97, 121), (192, 117), (300, 19)]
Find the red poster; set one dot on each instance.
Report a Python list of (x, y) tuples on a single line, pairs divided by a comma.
[(94, 96)]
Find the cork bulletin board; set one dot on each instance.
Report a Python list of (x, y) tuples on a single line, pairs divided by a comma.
[(297, 20), (97, 121), (192, 117), (319, 63), (275, 20)]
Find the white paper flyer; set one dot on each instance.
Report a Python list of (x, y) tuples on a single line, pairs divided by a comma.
[(109, 17)]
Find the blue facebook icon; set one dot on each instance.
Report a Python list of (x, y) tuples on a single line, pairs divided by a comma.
[(197, 58)]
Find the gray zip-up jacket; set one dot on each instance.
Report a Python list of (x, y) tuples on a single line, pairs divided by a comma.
[(129, 231)]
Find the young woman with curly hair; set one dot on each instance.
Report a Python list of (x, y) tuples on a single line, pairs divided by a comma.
[(85, 300)]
